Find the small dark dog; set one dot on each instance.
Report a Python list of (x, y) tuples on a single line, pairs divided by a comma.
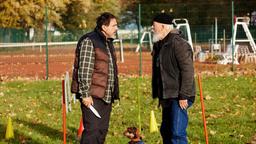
[(134, 135)]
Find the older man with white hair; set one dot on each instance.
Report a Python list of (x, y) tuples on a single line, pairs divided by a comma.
[(172, 78)]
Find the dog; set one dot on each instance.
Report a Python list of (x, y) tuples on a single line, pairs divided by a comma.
[(134, 135)]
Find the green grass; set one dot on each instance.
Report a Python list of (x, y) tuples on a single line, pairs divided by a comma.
[(36, 112)]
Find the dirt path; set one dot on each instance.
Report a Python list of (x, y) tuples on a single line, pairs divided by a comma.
[(32, 65)]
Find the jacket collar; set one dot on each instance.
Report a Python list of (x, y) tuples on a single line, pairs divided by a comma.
[(173, 32), (102, 36)]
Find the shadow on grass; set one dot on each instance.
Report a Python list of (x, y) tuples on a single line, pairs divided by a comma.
[(42, 129), (2, 132), (47, 131), (73, 135), (19, 137)]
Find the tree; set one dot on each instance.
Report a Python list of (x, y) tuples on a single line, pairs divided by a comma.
[(75, 18), (199, 12), (30, 13), (8, 15), (81, 15), (100, 6)]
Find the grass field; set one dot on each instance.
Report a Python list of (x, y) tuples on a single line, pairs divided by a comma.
[(35, 109)]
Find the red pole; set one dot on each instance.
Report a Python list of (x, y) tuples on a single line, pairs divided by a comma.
[(63, 112), (202, 105)]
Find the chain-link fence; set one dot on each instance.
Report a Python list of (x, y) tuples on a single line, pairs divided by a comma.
[(210, 23)]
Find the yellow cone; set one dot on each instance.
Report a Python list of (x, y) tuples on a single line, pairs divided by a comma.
[(153, 124), (9, 130)]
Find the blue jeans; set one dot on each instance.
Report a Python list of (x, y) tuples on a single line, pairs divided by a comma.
[(174, 123)]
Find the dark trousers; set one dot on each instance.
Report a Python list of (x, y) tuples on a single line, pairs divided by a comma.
[(174, 123), (95, 129)]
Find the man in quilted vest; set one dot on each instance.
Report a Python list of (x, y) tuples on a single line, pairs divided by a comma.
[(95, 79)]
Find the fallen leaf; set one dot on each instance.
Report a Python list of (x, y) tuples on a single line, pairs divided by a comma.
[(1, 94), (213, 116), (28, 115), (212, 132), (207, 97)]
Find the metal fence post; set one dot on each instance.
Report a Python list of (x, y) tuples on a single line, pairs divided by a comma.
[(46, 41)]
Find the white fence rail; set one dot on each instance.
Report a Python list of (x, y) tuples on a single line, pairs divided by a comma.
[(41, 44)]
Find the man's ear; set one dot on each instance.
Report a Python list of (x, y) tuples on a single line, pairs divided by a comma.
[(103, 27), (162, 26)]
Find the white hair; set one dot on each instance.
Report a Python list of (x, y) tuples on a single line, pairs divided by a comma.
[(159, 36), (156, 37)]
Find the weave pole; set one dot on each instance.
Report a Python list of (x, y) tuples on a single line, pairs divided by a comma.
[(64, 112), (202, 105)]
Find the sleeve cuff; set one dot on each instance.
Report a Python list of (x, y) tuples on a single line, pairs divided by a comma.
[(183, 97), (84, 91), (84, 94)]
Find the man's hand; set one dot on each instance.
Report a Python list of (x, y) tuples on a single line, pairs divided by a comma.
[(183, 104), (87, 101)]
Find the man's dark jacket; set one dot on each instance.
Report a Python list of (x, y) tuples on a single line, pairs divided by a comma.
[(173, 70)]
